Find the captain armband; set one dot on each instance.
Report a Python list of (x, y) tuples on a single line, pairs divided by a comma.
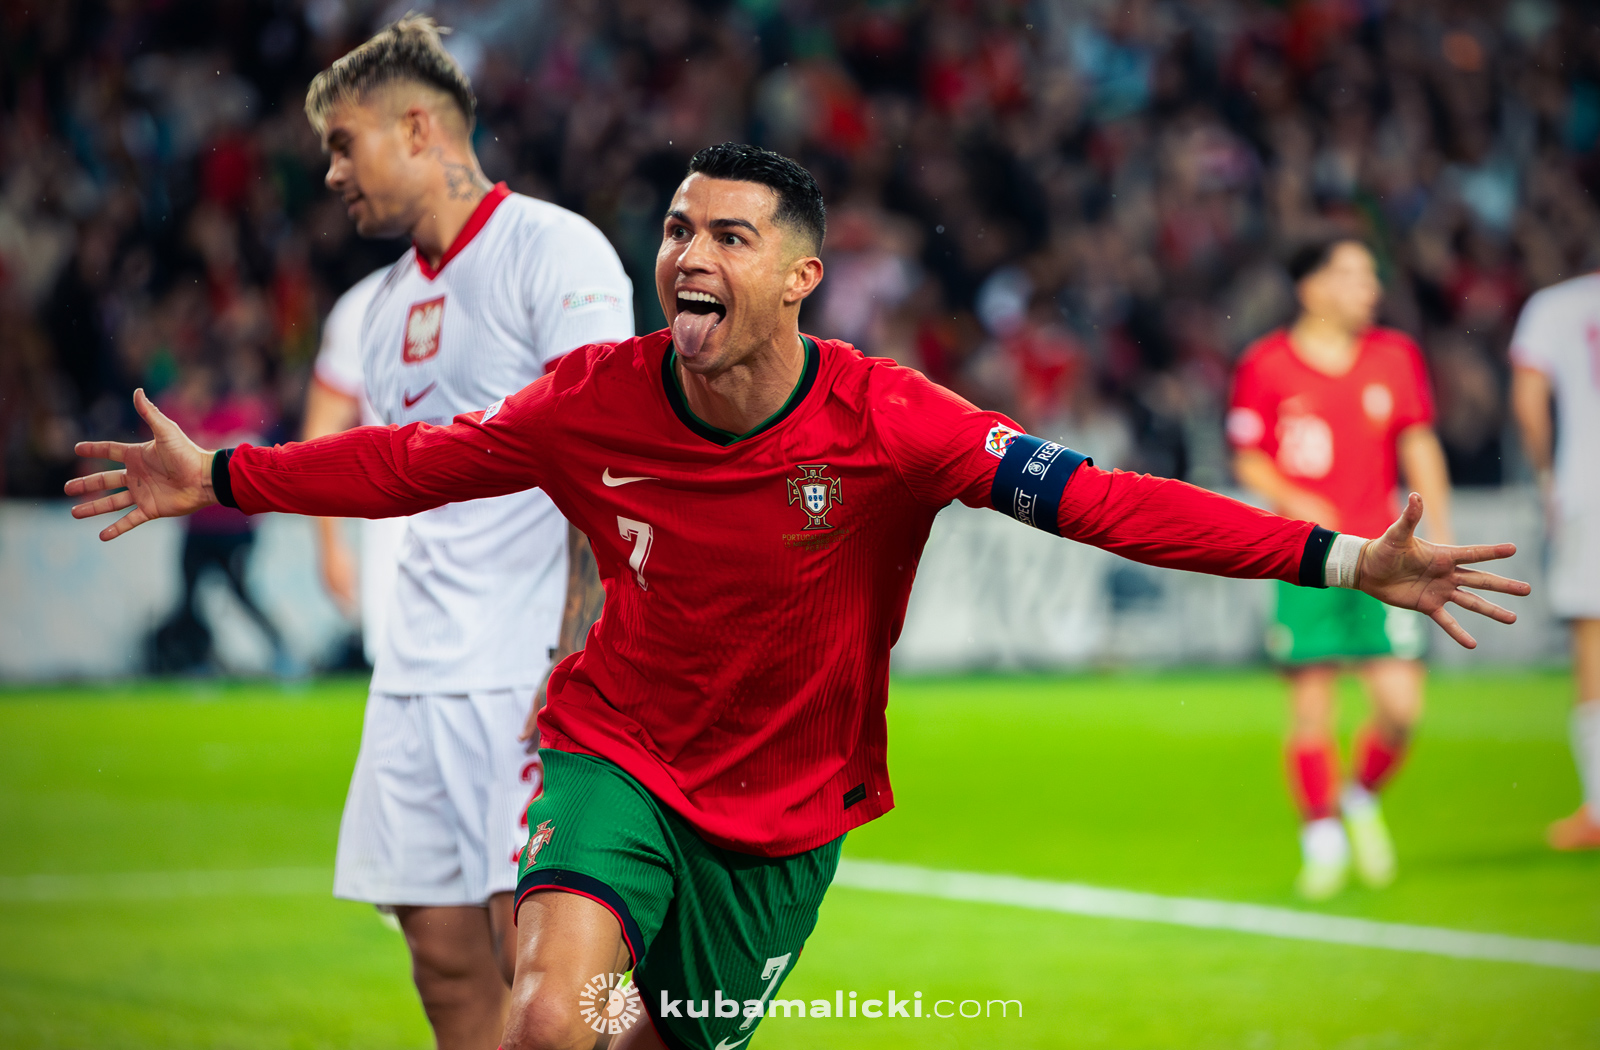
[(1031, 477)]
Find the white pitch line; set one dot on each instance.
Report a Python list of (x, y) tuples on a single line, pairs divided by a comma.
[(166, 885), (1077, 899), (1040, 895)]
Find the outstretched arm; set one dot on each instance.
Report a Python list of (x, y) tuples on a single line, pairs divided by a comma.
[(368, 472), (1158, 521), (1171, 524), (946, 449)]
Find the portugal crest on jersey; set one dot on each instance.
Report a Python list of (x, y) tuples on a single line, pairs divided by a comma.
[(423, 324), (816, 493)]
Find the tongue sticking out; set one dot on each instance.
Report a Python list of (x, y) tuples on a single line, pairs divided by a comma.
[(689, 331)]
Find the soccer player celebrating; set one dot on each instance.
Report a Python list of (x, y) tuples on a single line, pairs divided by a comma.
[(1556, 349), (1325, 416), (464, 601), (757, 500)]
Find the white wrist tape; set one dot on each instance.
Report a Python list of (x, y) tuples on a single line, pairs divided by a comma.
[(1344, 558)]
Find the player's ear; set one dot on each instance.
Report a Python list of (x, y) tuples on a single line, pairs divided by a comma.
[(416, 124), (805, 273), (1305, 295)]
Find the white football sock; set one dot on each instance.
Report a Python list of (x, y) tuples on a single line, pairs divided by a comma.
[(1586, 749), (1323, 841), (1355, 799)]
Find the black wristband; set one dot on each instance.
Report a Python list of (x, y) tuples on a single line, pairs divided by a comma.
[(221, 484), (1314, 559)]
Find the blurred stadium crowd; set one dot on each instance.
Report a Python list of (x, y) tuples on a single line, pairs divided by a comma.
[(1071, 211)]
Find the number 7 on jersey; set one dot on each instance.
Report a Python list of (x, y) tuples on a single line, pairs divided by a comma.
[(641, 535)]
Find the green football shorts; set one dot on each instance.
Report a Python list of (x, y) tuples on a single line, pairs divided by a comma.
[(1316, 625), (712, 932)]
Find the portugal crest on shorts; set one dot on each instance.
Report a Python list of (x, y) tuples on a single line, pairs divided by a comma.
[(537, 841), (816, 493)]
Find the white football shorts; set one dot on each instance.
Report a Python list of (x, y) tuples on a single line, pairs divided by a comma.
[(437, 807), (1574, 578)]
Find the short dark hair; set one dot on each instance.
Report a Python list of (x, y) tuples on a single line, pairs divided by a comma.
[(1314, 255), (412, 49), (800, 205)]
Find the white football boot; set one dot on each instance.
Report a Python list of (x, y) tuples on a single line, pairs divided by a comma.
[(1370, 844), (1325, 854)]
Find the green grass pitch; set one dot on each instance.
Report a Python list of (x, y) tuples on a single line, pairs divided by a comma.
[(1167, 783)]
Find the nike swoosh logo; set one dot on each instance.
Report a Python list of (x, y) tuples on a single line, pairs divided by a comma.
[(612, 482), (723, 1044), (409, 400)]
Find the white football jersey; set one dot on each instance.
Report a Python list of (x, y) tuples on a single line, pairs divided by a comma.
[(339, 367), (1559, 334), (481, 585), (339, 357)]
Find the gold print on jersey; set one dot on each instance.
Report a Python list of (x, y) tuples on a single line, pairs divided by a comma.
[(816, 493), (812, 542), (423, 325)]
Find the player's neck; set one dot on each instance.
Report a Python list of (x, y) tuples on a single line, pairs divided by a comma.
[(1324, 345), (449, 201), (741, 398)]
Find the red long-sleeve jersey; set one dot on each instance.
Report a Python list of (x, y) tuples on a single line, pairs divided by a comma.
[(755, 584)]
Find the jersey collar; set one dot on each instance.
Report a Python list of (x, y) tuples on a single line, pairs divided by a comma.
[(1363, 344), (475, 222), (716, 435)]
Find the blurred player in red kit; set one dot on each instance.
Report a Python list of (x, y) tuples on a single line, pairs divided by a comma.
[(1325, 418)]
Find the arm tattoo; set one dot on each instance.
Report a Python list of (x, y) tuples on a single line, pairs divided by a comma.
[(585, 596), (463, 182)]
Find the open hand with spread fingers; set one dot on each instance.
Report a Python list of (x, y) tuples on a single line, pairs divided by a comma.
[(1404, 570), (166, 477)]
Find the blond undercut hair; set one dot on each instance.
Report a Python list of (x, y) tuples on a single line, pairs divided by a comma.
[(411, 49)]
